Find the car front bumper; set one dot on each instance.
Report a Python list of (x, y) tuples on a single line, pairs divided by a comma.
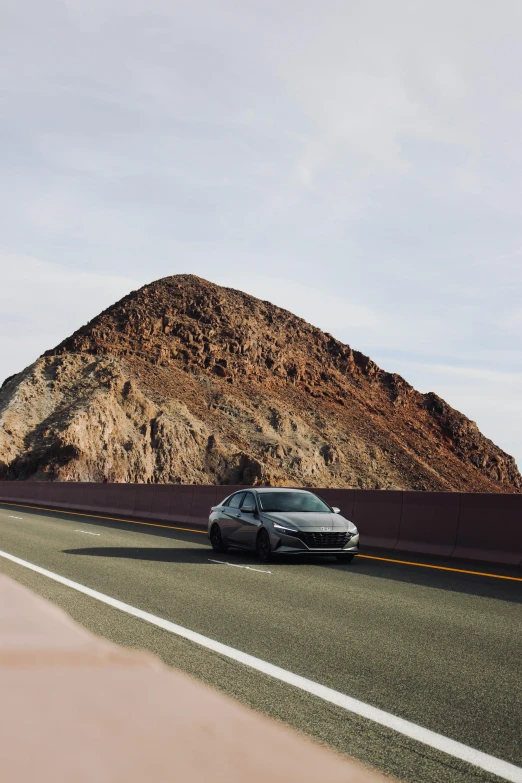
[(292, 544)]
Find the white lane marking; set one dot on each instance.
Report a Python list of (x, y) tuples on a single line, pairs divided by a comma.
[(236, 565), (10, 516), (77, 530), (503, 769)]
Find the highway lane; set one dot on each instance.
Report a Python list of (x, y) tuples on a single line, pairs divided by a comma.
[(440, 649)]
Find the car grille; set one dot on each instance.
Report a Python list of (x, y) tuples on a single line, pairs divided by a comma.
[(325, 540)]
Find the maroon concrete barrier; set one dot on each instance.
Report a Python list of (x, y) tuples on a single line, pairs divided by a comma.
[(94, 497), (9, 491), (227, 489), (74, 500), (429, 522), (342, 498), (377, 514), (143, 500), (203, 500), (181, 503), (119, 499), (40, 492), (23, 491), (490, 528), (57, 494), (152, 501), (161, 501), (35, 491), (64, 495), (206, 497), (469, 526)]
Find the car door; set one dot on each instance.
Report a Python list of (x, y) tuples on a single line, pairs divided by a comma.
[(249, 522), (230, 518)]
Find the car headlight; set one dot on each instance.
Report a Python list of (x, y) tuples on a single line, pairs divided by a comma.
[(283, 528)]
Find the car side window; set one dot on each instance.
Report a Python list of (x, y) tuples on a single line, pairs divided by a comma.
[(249, 500), (235, 500)]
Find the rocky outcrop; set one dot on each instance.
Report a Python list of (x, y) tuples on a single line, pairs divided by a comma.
[(185, 381)]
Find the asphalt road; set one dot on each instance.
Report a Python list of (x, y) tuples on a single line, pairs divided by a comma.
[(438, 648)]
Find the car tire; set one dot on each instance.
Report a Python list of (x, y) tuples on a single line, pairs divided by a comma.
[(263, 546), (216, 539), (347, 558)]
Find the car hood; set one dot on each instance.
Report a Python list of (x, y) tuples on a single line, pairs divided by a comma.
[(310, 520)]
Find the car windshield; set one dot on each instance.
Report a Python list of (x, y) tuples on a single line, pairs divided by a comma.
[(292, 501)]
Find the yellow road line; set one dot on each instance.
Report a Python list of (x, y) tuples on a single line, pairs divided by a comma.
[(442, 568), (98, 516), (204, 532)]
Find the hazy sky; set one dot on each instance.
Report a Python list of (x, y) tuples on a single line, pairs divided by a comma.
[(358, 163)]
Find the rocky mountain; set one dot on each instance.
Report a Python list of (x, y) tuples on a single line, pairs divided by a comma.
[(185, 381)]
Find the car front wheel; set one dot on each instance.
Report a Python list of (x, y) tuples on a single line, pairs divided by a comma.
[(216, 539), (263, 546)]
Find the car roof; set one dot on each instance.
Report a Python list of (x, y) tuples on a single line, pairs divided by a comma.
[(280, 489)]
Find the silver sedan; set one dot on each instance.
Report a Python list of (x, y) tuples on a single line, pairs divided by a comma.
[(285, 521)]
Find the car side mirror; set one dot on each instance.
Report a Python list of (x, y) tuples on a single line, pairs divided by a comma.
[(248, 509), (336, 510)]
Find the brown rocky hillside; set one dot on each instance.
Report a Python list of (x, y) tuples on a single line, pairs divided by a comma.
[(185, 381)]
